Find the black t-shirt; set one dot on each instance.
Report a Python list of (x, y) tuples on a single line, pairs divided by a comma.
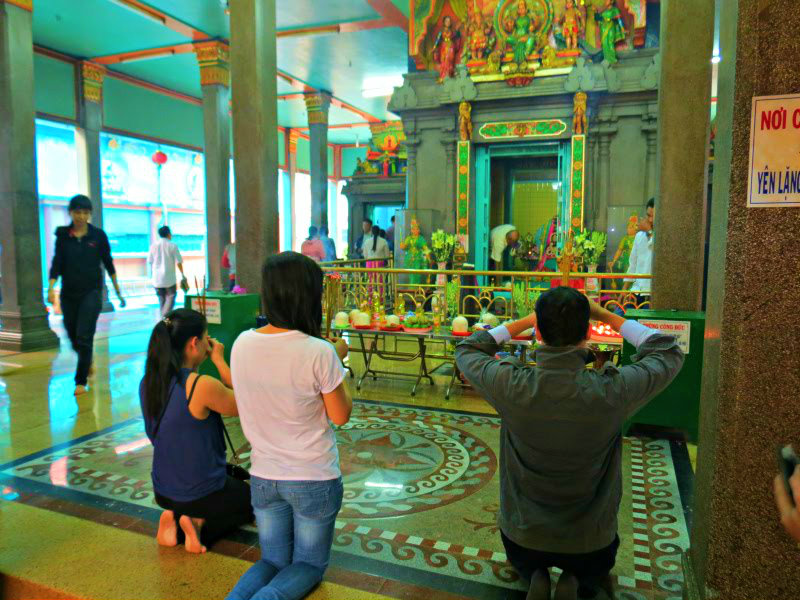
[(77, 260)]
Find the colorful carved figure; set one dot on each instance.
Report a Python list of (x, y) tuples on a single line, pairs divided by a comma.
[(522, 33), (465, 121), (447, 49), (417, 252), (482, 38), (622, 257), (546, 240), (579, 114), (611, 30), (571, 25)]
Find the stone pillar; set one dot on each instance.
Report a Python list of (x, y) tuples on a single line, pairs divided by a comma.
[(292, 135), (317, 106), (751, 369), (23, 318), (650, 132), (412, 142), (212, 57), (684, 98), (604, 178), (449, 140), (87, 144), (255, 121)]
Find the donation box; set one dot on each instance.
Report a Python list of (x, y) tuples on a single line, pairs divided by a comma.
[(228, 315), (678, 406)]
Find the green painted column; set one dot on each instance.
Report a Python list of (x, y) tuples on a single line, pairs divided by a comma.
[(317, 106), (87, 144), (212, 57), (255, 121), (684, 108), (751, 371), (23, 318)]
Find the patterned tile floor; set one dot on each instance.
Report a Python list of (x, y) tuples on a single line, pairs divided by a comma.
[(421, 488)]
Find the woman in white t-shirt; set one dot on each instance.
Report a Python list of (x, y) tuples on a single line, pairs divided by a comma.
[(376, 250), (289, 386)]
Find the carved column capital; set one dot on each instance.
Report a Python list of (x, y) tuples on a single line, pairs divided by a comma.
[(92, 77), (294, 135), (213, 59), (317, 106)]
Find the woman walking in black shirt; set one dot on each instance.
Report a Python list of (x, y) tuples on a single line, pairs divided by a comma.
[(80, 249)]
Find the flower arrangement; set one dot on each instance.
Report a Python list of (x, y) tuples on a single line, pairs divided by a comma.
[(589, 246), (442, 245), (453, 296), (524, 299)]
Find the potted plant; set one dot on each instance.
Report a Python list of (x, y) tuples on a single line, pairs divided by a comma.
[(442, 246)]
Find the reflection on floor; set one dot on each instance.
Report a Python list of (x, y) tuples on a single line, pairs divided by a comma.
[(418, 519)]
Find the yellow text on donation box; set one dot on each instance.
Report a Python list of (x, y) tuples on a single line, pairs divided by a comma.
[(774, 179)]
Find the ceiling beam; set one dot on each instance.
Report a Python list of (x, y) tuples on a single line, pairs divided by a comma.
[(124, 57), (154, 87), (387, 10)]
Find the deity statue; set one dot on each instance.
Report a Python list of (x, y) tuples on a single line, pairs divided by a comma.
[(447, 48), (482, 38), (611, 29), (571, 25), (546, 240), (521, 33), (621, 260), (417, 252), (579, 114), (465, 121)]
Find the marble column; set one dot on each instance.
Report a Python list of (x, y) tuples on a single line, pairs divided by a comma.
[(751, 368), (23, 318), (317, 106), (255, 121), (292, 135), (212, 57), (87, 145), (684, 98)]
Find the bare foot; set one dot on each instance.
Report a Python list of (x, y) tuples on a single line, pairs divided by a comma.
[(80, 390), (192, 527), (167, 529)]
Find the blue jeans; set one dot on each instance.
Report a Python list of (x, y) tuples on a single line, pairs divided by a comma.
[(295, 530)]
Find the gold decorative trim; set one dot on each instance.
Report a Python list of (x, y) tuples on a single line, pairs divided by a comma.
[(93, 76), (317, 106), (213, 60), (23, 4), (294, 135)]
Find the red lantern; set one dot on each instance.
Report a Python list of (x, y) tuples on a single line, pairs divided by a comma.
[(159, 157)]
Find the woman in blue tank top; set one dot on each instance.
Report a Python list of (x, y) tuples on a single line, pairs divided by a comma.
[(182, 413)]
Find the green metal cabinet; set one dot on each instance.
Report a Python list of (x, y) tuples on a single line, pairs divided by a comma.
[(228, 315), (678, 406)]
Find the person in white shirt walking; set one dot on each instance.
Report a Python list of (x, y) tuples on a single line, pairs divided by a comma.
[(163, 257), (641, 260)]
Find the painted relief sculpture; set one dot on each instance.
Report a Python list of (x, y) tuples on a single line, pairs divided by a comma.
[(579, 114), (611, 30), (465, 121), (521, 31), (482, 39), (386, 153), (571, 25), (447, 49), (417, 252)]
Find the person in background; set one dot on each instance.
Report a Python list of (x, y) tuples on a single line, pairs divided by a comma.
[(182, 416), (376, 251), (290, 387), (390, 236), (641, 257), (366, 229), (327, 243), (790, 514), (312, 246), (229, 262), (561, 437), (163, 256), (80, 253), (502, 240)]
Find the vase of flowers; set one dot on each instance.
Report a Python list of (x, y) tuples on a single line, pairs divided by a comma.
[(589, 246), (442, 246)]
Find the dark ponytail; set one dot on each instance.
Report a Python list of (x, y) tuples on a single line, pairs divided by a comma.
[(165, 354), (376, 233)]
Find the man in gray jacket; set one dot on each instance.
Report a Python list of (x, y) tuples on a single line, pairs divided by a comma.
[(561, 437)]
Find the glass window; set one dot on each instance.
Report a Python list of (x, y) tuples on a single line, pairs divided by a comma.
[(302, 208), (188, 232), (128, 230)]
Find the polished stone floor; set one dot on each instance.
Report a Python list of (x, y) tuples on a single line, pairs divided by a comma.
[(77, 516)]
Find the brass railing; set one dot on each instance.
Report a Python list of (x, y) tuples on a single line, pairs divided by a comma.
[(468, 293)]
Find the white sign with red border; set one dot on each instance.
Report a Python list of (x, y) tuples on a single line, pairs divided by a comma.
[(682, 330), (774, 177), (213, 309)]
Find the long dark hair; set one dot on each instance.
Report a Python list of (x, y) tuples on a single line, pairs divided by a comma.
[(291, 292), (312, 232), (376, 233), (165, 354)]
